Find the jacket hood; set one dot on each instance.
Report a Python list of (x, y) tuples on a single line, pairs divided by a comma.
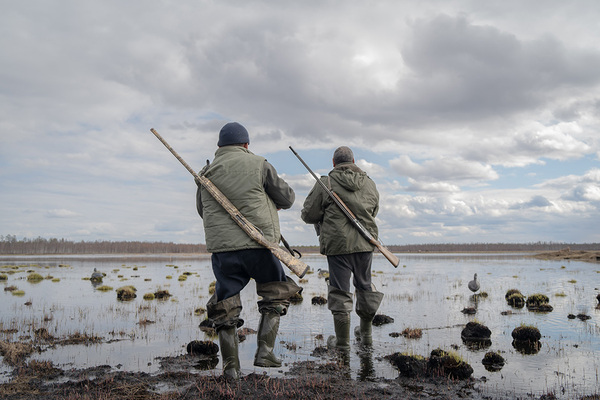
[(349, 176)]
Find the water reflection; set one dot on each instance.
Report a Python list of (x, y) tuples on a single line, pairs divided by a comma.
[(367, 368), (526, 347)]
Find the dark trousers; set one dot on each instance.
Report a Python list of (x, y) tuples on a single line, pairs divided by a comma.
[(233, 270), (342, 267)]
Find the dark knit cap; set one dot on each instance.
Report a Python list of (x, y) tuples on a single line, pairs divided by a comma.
[(233, 133)]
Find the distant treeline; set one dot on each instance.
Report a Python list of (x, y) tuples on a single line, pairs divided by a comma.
[(492, 247), (476, 247), (9, 244)]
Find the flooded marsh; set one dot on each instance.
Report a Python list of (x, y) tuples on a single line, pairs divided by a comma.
[(76, 322)]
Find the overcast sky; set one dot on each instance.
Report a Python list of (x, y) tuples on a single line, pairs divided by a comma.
[(478, 120)]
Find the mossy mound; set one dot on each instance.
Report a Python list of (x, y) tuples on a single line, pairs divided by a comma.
[(537, 299), (202, 347), (126, 293), (381, 319), (148, 296), (516, 300), (3, 277), (450, 364), (580, 316), (510, 292), (410, 366), (475, 331), (539, 302), (526, 333), (318, 300), (162, 294), (35, 277)]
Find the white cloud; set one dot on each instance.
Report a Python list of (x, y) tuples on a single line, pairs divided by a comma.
[(61, 213), (444, 169)]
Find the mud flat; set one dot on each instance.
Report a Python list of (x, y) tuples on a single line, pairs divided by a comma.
[(322, 380), (567, 254)]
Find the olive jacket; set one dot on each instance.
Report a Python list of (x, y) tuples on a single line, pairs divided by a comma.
[(251, 183), (337, 234)]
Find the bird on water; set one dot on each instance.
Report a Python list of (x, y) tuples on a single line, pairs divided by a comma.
[(474, 284), (97, 276), (323, 273)]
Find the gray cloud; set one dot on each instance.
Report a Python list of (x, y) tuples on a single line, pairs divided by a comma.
[(443, 169), (536, 201), (444, 94)]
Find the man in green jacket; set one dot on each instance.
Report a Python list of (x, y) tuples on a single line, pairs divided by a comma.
[(348, 252), (255, 189)]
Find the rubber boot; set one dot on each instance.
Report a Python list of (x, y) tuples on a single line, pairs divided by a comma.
[(339, 303), (267, 333), (341, 340), (367, 304), (228, 341)]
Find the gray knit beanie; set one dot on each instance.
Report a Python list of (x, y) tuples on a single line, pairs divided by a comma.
[(233, 133)]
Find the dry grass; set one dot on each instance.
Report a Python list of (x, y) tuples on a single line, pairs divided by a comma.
[(411, 333), (15, 353)]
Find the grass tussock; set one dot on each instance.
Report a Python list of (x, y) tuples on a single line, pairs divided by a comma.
[(104, 288), (35, 277), (412, 333), (148, 296), (162, 294), (537, 299), (15, 353), (126, 293), (81, 338)]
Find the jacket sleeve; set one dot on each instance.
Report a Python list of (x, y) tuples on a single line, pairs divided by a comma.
[(312, 210), (199, 201), (276, 188), (199, 207), (376, 193)]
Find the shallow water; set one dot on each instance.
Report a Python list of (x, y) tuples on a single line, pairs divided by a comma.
[(426, 291)]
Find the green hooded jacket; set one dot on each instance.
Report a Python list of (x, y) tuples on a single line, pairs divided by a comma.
[(254, 188), (358, 191)]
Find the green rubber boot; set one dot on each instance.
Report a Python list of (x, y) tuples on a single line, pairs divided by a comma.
[(228, 341), (267, 333), (339, 303), (367, 304), (341, 340)]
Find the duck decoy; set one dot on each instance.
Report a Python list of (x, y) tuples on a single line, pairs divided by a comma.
[(474, 284)]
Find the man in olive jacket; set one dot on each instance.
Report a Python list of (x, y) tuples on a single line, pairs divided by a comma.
[(255, 189), (348, 252)]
